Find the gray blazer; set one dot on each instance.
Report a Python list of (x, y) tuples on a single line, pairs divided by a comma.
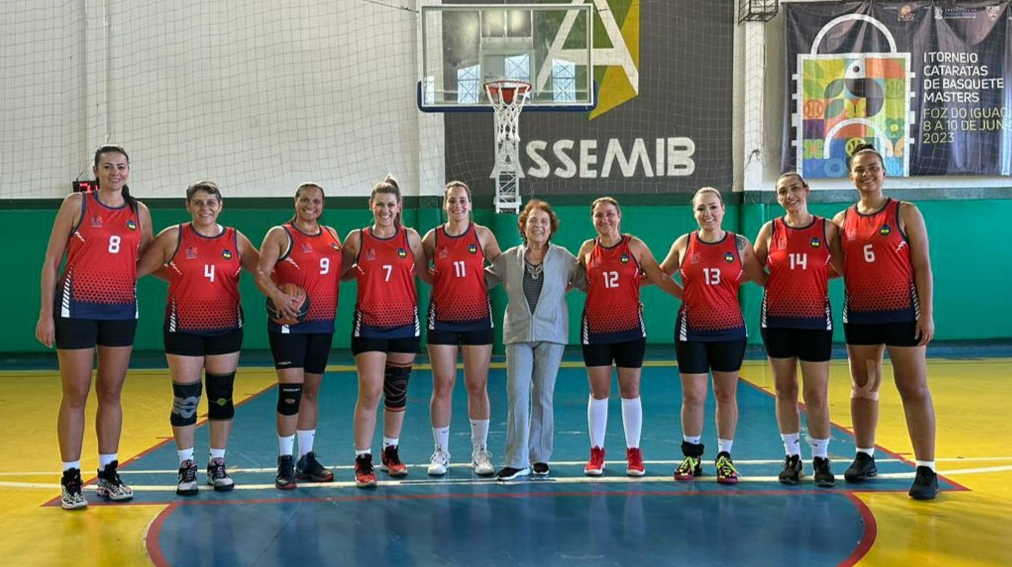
[(550, 320)]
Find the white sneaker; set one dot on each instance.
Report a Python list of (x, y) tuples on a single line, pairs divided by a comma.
[(439, 463), (481, 460)]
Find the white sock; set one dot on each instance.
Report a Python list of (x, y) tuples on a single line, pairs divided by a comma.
[(440, 437), (792, 443), (285, 445), (632, 420), (597, 421), (692, 439), (217, 454), (479, 434), (67, 465), (306, 437), (724, 445), (105, 459), (869, 452), (390, 441), (929, 464), (820, 447), (184, 454), (360, 452)]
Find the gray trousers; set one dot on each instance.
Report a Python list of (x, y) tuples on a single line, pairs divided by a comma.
[(531, 369)]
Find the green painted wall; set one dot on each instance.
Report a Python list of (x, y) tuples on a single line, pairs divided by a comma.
[(971, 276)]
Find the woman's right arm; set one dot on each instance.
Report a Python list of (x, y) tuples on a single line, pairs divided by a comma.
[(274, 245), (157, 254), (674, 258), (66, 218)]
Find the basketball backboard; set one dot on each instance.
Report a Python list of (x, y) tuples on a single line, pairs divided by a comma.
[(547, 45)]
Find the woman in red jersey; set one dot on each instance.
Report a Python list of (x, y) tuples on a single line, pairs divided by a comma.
[(385, 332), (710, 329), (460, 317), (306, 253), (613, 331), (203, 325), (94, 304), (796, 324), (888, 306)]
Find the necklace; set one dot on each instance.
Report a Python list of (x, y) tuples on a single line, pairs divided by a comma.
[(535, 269)]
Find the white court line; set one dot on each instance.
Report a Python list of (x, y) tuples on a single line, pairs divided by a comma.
[(491, 480), (231, 470)]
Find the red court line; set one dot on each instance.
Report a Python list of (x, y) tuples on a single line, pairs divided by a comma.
[(870, 532)]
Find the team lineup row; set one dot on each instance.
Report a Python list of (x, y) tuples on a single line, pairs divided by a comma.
[(879, 246)]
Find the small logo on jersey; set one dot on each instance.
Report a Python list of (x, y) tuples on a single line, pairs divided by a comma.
[(96, 221), (695, 259), (370, 254), (226, 254), (444, 252), (886, 230), (335, 246), (624, 258), (728, 257), (131, 225), (816, 243), (191, 252), (402, 253), (473, 249), (307, 248)]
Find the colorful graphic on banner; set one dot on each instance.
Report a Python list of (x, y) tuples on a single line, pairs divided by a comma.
[(927, 83), (850, 99)]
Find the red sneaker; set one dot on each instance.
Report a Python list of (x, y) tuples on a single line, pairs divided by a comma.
[(634, 460), (365, 474), (390, 461), (595, 467)]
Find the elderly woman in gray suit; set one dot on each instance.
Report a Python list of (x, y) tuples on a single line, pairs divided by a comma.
[(536, 276)]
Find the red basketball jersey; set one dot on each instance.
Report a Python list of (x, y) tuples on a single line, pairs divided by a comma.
[(711, 273), (99, 280), (313, 262), (613, 312), (459, 301), (877, 274), (797, 290), (204, 283), (387, 305)]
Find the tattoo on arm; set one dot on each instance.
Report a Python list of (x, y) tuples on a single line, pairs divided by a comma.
[(740, 240)]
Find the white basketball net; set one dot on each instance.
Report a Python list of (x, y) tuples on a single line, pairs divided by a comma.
[(507, 99)]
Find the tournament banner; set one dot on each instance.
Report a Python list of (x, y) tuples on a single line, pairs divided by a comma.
[(928, 83)]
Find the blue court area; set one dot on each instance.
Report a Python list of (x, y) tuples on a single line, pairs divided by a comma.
[(563, 519)]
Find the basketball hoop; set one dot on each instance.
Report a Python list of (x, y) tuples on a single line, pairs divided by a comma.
[(507, 98)]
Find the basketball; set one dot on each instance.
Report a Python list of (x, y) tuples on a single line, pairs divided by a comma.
[(303, 307)]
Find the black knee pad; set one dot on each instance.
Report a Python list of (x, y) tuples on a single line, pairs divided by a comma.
[(692, 450), (395, 387), (289, 398), (219, 396), (185, 399)]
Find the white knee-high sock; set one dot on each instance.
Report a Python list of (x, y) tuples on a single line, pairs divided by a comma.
[(597, 421), (632, 419)]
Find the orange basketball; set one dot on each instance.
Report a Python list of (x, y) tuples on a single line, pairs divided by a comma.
[(301, 311)]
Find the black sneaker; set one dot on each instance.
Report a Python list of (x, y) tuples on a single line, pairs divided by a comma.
[(71, 497), (509, 473), (541, 469), (308, 468), (111, 486), (925, 485), (286, 473), (823, 474), (186, 483), (861, 469), (792, 472)]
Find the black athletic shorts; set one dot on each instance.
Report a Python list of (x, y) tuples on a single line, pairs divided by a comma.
[(188, 344), (809, 345), (308, 351), (889, 334), (700, 357), (86, 333), (481, 337), (361, 344), (625, 355)]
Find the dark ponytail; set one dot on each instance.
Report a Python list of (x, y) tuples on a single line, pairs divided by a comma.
[(115, 149)]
